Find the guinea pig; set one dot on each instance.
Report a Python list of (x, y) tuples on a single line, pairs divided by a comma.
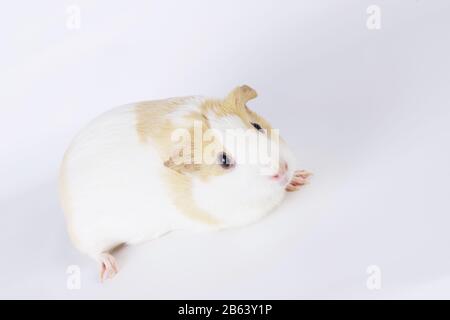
[(139, 171)]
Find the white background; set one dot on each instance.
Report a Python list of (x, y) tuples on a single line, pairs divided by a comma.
[(368, 111)]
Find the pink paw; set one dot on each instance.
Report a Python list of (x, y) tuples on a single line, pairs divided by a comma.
[(300, 178), (108, 266)]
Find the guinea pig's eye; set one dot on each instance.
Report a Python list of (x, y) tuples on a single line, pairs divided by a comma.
[(257, 126), (225, 161)]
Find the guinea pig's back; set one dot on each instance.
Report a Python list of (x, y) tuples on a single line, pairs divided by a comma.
[(110, 184)]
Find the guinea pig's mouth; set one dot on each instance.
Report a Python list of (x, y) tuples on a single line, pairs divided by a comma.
[(281, 179), (282, 175)]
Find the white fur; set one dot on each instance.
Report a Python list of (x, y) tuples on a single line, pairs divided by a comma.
[(114, 186), (244, 194)]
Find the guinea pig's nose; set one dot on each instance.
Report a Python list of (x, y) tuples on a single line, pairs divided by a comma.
[(282, 169)]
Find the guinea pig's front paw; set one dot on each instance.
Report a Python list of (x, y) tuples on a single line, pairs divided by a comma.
[(299, 178)]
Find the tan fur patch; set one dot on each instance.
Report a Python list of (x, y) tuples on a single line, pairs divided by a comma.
[(153, 124), (180, 188)]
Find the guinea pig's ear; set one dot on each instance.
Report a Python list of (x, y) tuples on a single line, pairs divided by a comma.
[(241, 95), (181, 162)]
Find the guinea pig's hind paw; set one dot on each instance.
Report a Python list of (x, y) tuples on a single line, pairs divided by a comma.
[(299, 178), (108, 266)]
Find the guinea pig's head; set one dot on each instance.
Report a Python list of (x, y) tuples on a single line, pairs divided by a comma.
[(242, 166)]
